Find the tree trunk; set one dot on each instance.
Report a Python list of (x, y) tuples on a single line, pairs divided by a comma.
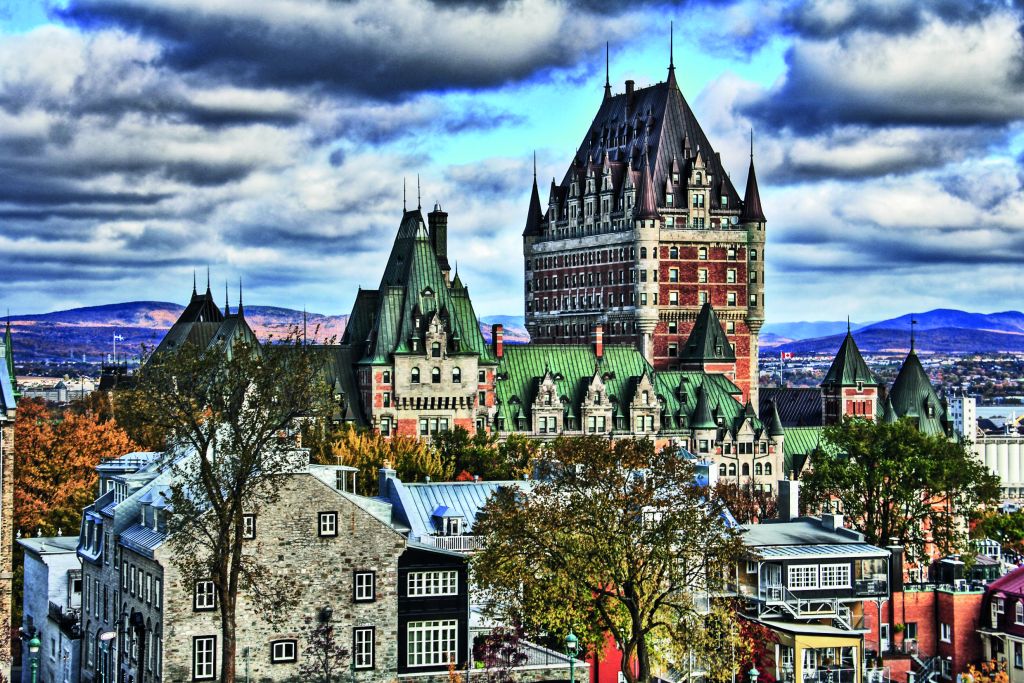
[(228, 643)]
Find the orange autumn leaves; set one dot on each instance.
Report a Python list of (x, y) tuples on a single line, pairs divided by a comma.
[(55, 464)]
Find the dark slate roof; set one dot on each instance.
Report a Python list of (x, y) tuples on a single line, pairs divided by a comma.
[(680, 391), (707, 341), (646, 205), (849, 367), (656, 122), (702, 417), (197, 324), (797, 406), (414, 287), (774, 422), (339, 374), (535, 216), (752, 211), (912, 395)]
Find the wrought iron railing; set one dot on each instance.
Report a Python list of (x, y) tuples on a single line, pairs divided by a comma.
[(67, 619), (459, 544)]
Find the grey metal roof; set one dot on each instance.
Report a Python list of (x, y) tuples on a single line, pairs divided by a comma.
[(50, 545), (142, 540), (129, 462), (464, 499), (802, 531), (817, 551)]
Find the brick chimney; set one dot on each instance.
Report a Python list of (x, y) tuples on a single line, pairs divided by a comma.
[(498, 339), (437, 222), (599, 340), (629, 95)]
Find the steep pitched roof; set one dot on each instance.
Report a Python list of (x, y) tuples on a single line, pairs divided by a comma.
[(797, 406), (646, 206), (7, 352), (848, 368), (680, 390), (412, 290), (913, 397), (752, 211), (775, 422), (655, 121), (707, 340), (197, 324), (535, 216), (702, 418)]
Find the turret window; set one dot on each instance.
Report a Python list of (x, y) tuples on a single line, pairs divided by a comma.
[(435, 376), (435, 350), (386, 377), (456, 375), (414, 376)]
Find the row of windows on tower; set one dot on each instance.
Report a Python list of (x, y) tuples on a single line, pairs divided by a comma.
[(435, 376), (594, 301), (759, 470), (591, 279), (609, 255)]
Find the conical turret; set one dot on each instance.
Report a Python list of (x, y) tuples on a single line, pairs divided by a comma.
[(752, 211), (535, 216), (646, 206), (702, 417)]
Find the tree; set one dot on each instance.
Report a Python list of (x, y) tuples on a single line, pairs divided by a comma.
[(324, 658), (229, 411), (483, 455), (1007, 528), (895, 482), (55, 464), (747, 504), (713, 643), (501, 652), (368, 451), (616, 538)]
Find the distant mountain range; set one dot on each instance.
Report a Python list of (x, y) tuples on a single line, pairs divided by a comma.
[(69, 335)]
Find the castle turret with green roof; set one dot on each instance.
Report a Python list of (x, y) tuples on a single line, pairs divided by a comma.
[(850, 388), (914, 398), (7, 358)]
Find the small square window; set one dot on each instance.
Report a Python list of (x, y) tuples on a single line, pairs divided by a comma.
[(364, 588), (205, 596), (328, 524), (283, 651), (248, 526)]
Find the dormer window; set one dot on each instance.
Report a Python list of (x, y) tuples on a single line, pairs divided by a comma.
[(435, 350), (415, 376), (453, 526), (428, 292)]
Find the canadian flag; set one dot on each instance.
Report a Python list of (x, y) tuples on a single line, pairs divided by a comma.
[(786, 355)]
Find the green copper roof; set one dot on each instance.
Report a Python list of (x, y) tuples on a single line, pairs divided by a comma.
[(888, 412), (848, 368), (913, 397), (8, 355), (775, 422), (707, 340), (681, 390), (413, 290), (702, 418), (798, 445)]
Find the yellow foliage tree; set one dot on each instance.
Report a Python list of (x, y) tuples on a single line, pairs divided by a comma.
[(368, 451)]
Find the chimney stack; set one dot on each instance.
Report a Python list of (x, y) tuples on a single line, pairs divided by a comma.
[(437, 228), (789, 499), (629, 95), (383, 474), (498, 340), (599, 340)]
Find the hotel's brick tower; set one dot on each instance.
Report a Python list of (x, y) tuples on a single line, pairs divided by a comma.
[(644, 228)]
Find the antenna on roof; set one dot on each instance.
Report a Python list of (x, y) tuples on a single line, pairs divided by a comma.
[(912, 323), (239, 296), (193, 282), (227, 306), (671, 46), (207, 278), (607, 71), (751, 144), (404, 207)]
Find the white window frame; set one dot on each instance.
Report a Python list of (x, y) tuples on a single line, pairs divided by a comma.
[(1018, 613), (282, 651), (808, 577), (945, 632), (204, 596), (432, 583), (834, 576), (204, 658), (432, 643), (249, 526), (751, 567), (363, 647), (327, 524), (364, 586)]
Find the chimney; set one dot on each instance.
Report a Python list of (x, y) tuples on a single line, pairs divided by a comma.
[(383, 474), (629, 95), (895, 565), (437, 224), (789, 499), (498, 340), (599, 340), (832, 522)]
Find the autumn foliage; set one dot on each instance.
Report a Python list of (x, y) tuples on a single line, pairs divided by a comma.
[(55, 464)]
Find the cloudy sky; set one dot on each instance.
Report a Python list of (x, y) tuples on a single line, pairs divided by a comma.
[(143, 139)]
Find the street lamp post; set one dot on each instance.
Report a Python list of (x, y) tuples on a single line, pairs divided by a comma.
[(105, 638), (572, 644), (33, 650), (753, 674)]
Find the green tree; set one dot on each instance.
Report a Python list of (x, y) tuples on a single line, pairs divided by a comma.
[(1008, 529), (368, 451), (895, 482), (231, 408), (615, 538)]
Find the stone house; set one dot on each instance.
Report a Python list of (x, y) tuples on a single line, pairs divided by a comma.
[(51, 607)]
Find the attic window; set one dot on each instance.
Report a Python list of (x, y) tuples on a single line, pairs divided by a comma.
[(428, 292)]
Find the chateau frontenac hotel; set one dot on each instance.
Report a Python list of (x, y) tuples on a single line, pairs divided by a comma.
[(644, 295)]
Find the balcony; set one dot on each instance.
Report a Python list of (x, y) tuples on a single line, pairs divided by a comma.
[(871, 587), (459, 544), (67, 619)]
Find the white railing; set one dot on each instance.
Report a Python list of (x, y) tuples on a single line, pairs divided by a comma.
[(459, 544)]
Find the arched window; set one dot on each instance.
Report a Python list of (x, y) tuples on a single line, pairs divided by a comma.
[(386, 377), (721, 470), (768, 469), (732, 469), (457, 375), (746, 470), (415, 378), (435, 350), (435, 375), (758, 469)]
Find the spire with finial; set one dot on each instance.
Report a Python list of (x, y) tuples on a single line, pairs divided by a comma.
[(752, 211), (671, 54), (535, 214), (240, 313), (207, 279), (227, 305), (847, 324), (419, 205), (607, 72), (912, 323), (405, 202), (194, 292)]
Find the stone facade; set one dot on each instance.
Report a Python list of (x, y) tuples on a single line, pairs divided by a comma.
[(8, 407), (51, 606)]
